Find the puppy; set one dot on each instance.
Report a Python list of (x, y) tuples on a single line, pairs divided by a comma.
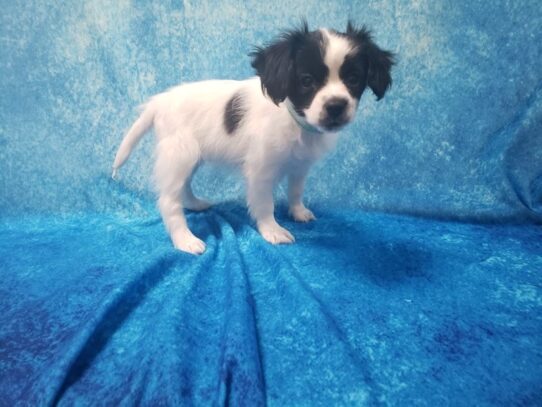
[(275, 125)]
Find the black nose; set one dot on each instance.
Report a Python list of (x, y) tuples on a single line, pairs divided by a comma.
[(335, 107)]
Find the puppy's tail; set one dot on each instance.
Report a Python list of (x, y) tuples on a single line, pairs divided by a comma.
[(136, 132)]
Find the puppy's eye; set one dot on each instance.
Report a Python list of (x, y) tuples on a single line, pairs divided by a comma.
[(307, 80), (353, 80)]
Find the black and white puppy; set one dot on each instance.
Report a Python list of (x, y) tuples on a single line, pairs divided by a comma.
[(274, 125)]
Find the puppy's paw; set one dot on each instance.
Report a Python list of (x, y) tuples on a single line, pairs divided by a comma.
[(197, 205), (301, 214), (187, 242), (274, 233)]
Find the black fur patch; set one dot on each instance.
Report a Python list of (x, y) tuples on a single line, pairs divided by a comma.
[(308, 61), (233, 113), (378, 61), (354, 72), (275, 64)]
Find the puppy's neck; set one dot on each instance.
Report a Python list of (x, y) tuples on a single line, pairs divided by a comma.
[(301, 122)]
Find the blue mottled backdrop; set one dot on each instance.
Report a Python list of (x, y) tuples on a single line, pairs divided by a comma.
[(367, 308)]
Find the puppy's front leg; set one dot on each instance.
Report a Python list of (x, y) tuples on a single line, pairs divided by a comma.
[(261, 208), (296, 185)]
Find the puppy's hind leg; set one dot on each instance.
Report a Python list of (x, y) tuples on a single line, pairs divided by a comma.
[(176, 158)]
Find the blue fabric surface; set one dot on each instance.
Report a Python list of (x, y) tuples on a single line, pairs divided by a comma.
[(362, 310), (436, 304)]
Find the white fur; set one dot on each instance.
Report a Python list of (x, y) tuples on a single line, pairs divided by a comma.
[(267, 146)]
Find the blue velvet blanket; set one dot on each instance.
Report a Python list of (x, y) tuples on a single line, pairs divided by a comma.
[(419, 284)]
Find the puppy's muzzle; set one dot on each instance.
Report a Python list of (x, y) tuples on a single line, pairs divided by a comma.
[(335, 113)]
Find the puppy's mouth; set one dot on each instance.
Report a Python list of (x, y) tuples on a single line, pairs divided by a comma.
[(333, 124)]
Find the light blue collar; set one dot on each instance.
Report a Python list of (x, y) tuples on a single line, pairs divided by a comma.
[(302, 123)]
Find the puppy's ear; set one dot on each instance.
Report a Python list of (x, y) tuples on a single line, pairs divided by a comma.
[(380, 61), (274, 63), (379, 77)]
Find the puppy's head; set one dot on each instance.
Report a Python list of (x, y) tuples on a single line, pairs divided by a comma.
[(323, 73)]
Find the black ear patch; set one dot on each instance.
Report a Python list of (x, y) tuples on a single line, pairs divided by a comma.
[(379, 78), (380, 61), (274, 64), (233, 113)]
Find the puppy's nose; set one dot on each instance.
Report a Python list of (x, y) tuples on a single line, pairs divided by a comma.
[(335, 107)]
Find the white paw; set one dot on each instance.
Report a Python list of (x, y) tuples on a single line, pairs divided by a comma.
[(302, 214), (197, 205), (274, 233), (187, 242)]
